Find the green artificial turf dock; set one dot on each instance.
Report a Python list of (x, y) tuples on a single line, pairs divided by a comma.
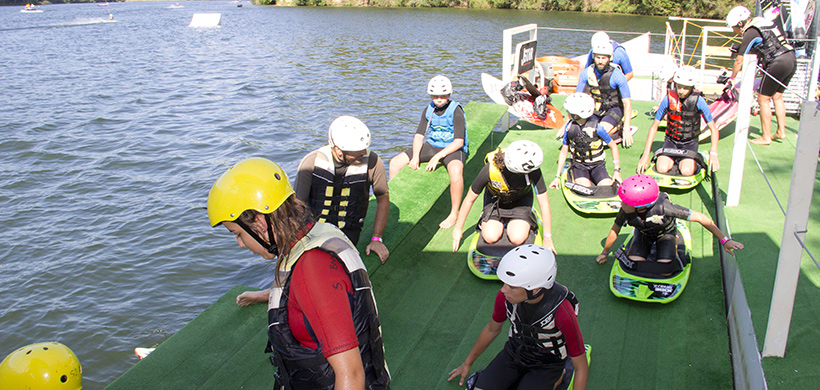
[(433, 308)]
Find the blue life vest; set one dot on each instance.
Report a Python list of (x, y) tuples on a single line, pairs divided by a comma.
[(440, 131)]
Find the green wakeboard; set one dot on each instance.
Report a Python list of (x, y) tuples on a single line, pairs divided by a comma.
[(485, 265)]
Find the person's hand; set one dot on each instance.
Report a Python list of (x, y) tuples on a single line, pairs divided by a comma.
[(643, 163), (731, 246), (714, 164), (627, 130), (617, 177), (547, 243), (555, 183), (431, 165), (461, 371), (456, 238), (601, 258), (379, 248), (414, 163)]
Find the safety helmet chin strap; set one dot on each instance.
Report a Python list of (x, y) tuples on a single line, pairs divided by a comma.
[(531, 296), (272, 248)]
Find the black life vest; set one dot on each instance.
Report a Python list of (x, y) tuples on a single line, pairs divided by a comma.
[(605, 96), (498, 186), (305, 368), (774, 43), (584, 142), (534, 338), (654, 222), (339, 198), (683, 117)]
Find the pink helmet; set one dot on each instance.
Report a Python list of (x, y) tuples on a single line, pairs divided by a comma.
[(639, 191)]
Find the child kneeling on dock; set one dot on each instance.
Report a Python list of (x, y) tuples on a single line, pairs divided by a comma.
[(441, 136), (683, 108), (653, 216), (586, 138), (537, 351), (508, 177)]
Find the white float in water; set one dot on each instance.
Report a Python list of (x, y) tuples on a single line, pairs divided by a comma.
[(206, 20)]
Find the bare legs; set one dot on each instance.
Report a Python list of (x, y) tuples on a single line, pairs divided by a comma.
[(766, 118)]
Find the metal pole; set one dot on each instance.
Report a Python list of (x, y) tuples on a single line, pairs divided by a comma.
[(797, 216), (744, 110)]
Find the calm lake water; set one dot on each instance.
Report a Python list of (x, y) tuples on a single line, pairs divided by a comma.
[(113, 133)]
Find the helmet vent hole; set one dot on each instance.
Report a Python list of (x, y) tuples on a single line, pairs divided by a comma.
[(276, 175), (45, 348), (64, 379), (28, 352), (510, 273)]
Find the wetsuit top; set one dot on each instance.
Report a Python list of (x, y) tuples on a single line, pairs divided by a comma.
[(685, 120), (441, 126), (315, 184), (329, 309), (564, 318), (586, 142), (514, 181), (656, 220), (608, 88), (773, 42), (619, 58)]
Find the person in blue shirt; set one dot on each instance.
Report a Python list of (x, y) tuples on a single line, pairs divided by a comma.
[(586, 139), (619, 56), (683, 108), (608, 86)]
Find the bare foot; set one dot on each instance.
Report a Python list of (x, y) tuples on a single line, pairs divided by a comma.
[(761, 141), (449, 222), (252, 297), (779, 135)]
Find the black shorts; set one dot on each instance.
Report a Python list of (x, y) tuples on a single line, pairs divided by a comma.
[(595, 172), (671, 143), (782, 68), (613, 116), (667, 246), (505, 373), (428, 151), (504, 213)]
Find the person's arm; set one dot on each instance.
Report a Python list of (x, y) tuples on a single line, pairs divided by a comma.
[(488, 334), (627, 129), (418, 141), (546, 220), (466, 205), (348, 368), (643, 163), (304, 177), (382, 212), (579, 363), (610, 239), (729, 245), (562, 158), (714, 164)]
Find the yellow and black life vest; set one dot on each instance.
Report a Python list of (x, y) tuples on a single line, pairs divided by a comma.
[(605, 96), (340, 199), (498, 186)]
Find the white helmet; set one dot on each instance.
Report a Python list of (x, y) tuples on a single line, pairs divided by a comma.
[(598, 38), (737, 15), (439, 85), (528, 266), (602, 48), (523, 157), (349, 134), (667, 70), (581, 104), (686, 76)]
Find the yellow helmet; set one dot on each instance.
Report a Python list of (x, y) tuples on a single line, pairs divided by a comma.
[(41, 366), (254, 183)]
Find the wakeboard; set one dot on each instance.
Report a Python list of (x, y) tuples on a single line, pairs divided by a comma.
[(523, 107), (483, 258)]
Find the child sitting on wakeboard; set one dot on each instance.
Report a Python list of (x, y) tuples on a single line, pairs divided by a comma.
[(586, 138), (683, 108), (508, 177), (653, 216), (441, 136)]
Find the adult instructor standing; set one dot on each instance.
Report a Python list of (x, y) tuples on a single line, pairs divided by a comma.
[(762, 37)]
